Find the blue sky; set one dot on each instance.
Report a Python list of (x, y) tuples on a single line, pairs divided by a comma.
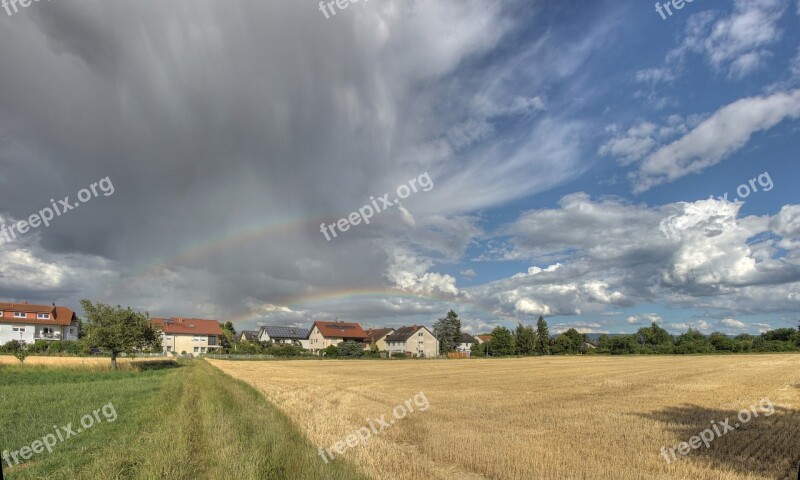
[(577, 151)]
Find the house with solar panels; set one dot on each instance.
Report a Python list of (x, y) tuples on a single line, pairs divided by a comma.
[(284, 336), (325, 334)]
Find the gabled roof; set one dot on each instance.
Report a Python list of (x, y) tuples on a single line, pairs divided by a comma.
[(484, 338), (249, 335), (290, 333), (340, 330), (58, 315), (375, 334), (188, 326), (404, 333), (467, 338)]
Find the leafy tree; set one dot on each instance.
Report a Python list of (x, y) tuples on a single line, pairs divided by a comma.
[(721, 342), (477, 350), (118, 330), (448, 331), (226, 340), (653, 336), (620, 345), (229, 327), (331, 351), (693, 342), (781, 335), (542, 337), (502, 342), (351, 349), (525, 340)]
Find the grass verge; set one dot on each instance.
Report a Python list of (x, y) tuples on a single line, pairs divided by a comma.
[(191, 422)]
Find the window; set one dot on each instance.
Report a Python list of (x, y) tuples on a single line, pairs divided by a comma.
[(19, 315), (202, 349), (169, 349), (43, 316), (196, 349), (420, 334), (18, 329)]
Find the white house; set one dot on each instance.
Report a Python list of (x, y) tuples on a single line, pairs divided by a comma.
[(27, 323), (416, 341), (467, 341)]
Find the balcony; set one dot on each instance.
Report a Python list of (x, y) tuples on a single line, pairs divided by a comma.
[(47, 336)]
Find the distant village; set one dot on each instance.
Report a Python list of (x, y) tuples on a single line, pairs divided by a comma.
[(28, 323)]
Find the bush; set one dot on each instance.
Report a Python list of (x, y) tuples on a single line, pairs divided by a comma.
[(351, 349), (11, 347), (331, 351)]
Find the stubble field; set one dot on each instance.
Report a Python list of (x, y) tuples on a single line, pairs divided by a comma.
[(546, 418)]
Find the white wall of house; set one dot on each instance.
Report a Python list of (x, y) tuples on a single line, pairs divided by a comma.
[(317, 341), (304, 342), (421, 344), (18, 332), (464, 347), (189, 343)]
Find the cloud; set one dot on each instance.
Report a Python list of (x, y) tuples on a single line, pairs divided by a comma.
[(733, 324), (644, 319), (716, 138), (611, 253), (468, 273), (738, 44)]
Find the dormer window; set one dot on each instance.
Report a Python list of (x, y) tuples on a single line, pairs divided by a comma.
[(19, 315), (43, 316)]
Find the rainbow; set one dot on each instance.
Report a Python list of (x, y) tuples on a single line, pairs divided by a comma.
[(252, 233)]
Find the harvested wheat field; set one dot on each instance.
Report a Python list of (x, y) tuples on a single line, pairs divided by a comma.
[(92, 363), (547, 418)]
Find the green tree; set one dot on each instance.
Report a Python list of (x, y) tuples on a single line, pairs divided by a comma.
[(477, 350), (721, 342), (331, 351), (693, 342), (351, 349), (653, 336), (502, 342), (542, 337), (228, 338), (525, 340), (448, 331), (119, 330)]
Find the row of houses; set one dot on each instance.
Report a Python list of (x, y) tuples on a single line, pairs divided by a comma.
[(28, 323), (416, 340)]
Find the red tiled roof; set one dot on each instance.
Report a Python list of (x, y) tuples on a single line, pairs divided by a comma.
[(340, 330), (191, 326), (484, 338), (58, 315)]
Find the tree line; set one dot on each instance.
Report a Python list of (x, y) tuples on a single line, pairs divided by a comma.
[(525, 340)]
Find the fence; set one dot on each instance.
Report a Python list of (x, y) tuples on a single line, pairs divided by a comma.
[(241, 357)]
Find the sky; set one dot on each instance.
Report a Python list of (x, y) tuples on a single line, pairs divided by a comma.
[(598, 163)]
